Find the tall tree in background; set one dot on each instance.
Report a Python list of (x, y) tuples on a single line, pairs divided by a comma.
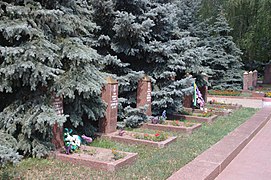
[(69, 47), (250, 20), (225, 56)]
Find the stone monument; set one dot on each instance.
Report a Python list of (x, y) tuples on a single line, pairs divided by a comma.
[(144, 94), (108, 124)]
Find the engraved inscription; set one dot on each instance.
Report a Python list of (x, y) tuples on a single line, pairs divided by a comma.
[(149, 92), (58, 105), (114, 98)]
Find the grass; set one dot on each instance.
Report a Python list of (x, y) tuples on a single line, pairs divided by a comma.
[(152, 163)]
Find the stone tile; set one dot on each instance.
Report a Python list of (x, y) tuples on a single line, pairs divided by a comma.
[(197, 170), (254, 160), (226, 151)]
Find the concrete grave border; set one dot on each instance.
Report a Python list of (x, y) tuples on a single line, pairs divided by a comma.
[(182, 129), (213, 161), (86, 160), (129, 140), (223, 112), (209, 120)]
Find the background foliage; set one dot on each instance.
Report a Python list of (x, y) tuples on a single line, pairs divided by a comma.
[(69, 47), (250, 20)]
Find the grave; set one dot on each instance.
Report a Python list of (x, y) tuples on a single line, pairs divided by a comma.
[(255, 78), (144, 94), (250, 80), (216, 111), (199, 119), (129, 137), (98, 158), (187, 101), (166, 127), (204, 89), (94, 157), (57, 140), (108, 124), (267, 74)]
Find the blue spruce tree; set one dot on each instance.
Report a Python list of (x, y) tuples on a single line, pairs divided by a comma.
[(225, 56), (46, 47)]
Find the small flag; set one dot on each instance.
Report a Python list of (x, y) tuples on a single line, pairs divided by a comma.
[(195, 95)]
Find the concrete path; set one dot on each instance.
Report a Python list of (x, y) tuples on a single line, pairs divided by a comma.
[(254, 161), (213, 161), (254, 103), (244, 154)]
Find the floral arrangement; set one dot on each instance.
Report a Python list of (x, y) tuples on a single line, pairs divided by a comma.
[(121, 132), (224, 92), (268, 94), (117, 155), (188, 124), (263, 89), (175, 123), (213, 101), (205, 114), (160, 119), (157, 137)]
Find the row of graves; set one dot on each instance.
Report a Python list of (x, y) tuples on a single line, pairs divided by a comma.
[(70, 148)]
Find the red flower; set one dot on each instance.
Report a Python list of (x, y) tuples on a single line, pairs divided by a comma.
[(146, 135), (157, 134)]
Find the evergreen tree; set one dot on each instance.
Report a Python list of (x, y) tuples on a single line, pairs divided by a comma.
[(117, 43), (147, 38), (46, 47), (251, 30), (225, 60)]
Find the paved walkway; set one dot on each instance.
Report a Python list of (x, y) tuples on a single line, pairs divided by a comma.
[(254, 161), (244, 154), (254, 103)]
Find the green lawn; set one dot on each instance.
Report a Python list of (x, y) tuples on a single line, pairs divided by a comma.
[(152, 163)]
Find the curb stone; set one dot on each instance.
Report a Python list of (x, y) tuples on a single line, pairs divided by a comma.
[(214, 160)]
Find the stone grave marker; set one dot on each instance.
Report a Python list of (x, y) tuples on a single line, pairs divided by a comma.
[(267, 74), (144, 94), (108, 124), (245, 81), (255, 78), (57, 131)]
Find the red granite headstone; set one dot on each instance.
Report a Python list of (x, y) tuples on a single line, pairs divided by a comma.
[(57, 131), (255, 78), (267, 74), (245, 81), (144, 94), (187, 101), (250, 80), (204, 89), (108, 124)]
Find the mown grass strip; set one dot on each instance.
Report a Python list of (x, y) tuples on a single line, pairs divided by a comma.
[(153, 163)]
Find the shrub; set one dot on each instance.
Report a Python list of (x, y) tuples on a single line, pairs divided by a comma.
[(134, 117), (8, 150)]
